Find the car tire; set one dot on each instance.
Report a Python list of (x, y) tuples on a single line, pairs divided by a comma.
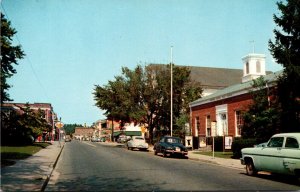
[(128, 148), (165, 153), (155, 152), (250, 169)]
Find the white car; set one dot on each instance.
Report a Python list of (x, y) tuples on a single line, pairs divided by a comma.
[(137, 142), (280, 155)]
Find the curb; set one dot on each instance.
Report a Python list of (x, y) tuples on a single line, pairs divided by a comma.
[(53, 167)]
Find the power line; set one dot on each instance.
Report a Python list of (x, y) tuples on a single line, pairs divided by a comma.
[(27, 57)]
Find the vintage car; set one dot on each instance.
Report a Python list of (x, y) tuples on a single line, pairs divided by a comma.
[(170, 146), (137, 142), (281, 155)]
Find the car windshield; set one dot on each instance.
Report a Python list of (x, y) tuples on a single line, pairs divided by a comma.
[(173, 140)]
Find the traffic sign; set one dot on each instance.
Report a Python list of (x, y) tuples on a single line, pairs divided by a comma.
[(59, 124)]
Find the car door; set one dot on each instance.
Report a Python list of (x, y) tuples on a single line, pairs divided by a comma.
[(291, 155), (271, 158)]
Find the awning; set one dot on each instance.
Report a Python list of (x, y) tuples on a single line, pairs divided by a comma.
[(128, 133)]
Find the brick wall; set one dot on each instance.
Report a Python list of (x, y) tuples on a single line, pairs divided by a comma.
[(238, 103)]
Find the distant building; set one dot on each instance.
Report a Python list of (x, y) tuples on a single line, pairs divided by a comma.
[(220, 113), (47, 108), (84, 132)]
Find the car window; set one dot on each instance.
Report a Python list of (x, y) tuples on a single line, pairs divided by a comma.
[(173, 140), (291, 143), (276, 142)]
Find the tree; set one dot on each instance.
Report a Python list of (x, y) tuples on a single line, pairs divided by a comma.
[(24, 128), (143, 95), (286, 51), (261, 120), (70, 128), (9, 56)]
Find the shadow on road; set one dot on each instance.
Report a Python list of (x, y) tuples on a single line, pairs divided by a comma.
[(287, 179), (96, 183)]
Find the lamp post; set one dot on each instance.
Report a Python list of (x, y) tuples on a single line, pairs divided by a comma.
[(171, 125)]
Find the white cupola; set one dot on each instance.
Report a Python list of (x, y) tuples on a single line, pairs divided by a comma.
[(254, 66)]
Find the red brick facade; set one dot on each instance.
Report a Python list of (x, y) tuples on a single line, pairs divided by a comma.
[(234, 104)]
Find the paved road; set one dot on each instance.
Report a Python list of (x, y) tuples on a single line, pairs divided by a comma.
[(89, 166)]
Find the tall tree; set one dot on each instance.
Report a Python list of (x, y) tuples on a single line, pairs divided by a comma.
[(286, 51), (261, 120), (143, 96), (10, 55)]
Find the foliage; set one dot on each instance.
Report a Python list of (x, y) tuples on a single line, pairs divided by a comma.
[(239, 143), (70, 128), (142, 95), (20, 129), (286, 51), (9, 56), (261, 120)]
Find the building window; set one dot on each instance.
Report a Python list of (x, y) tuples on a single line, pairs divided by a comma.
[(258, 67), (247, 68), (238, 122), (208, 126), (197, 126)]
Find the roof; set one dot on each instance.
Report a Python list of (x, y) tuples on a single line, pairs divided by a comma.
[(31, 105), (234, 90), (216, 77), (211, 77), (128, 133)]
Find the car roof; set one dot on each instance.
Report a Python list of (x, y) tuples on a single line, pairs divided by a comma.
[(170, 137), (297, 135)]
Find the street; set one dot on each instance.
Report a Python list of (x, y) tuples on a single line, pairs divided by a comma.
[(88, 166)]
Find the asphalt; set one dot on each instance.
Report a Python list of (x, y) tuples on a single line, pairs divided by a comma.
[(33, 173)]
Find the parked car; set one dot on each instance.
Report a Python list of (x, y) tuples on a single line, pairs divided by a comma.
[(137, 142), (170, 146), (281, 155), (68, 138), (123, 139), (95, 139), (102, 139)]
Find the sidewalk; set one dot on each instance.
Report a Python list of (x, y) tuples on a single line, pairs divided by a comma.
[(31, 174)]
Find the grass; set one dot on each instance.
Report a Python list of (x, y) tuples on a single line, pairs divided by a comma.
[(226, 155), (11, 153)]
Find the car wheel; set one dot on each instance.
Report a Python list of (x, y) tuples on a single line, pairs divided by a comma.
[(128, 147), (165, 153), (155, 152), (250, 169)]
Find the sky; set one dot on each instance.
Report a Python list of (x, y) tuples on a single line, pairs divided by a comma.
[(73, 45)]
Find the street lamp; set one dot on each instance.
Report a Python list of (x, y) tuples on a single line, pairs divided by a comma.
[(171, 125)]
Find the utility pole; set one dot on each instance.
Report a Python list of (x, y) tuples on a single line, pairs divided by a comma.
[(171, 125)]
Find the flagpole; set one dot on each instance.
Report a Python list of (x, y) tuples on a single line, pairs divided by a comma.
[(171, 126)]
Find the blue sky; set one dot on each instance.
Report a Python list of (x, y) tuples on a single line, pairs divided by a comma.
[(73, 45)]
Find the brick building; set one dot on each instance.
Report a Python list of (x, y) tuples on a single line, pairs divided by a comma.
[(220, 114), (84, 132), (47, 109)]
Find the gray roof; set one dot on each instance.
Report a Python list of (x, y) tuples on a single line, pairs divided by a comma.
[(235, 90), (211, 77), (216, 77)]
